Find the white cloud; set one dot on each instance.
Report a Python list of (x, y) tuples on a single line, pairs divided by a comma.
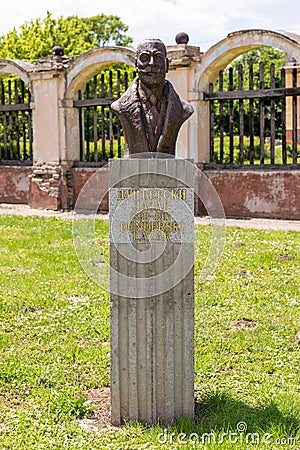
[(205, 22)]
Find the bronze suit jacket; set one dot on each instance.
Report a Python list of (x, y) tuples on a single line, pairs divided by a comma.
[(130, 112)]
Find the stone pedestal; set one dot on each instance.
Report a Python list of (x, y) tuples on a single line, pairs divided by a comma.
[(151, 259)]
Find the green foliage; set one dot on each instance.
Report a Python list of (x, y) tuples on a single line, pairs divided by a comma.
[(54, 343), (109, 83), (36, 38), (267, 57), (256, 151), (15, 126), (105, 29)]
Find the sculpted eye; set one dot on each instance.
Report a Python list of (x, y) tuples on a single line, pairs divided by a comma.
[(158, 57), (144, 57)]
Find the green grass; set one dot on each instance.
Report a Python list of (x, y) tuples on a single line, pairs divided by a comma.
[(267, 151), (54, 343)]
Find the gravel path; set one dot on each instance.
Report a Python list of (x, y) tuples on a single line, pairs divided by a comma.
[(266, 224)]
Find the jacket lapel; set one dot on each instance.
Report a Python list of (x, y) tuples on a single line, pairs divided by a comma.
[(172, 120), (132, 110)]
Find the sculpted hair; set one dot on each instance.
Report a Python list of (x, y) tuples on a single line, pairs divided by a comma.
[(154, 40)]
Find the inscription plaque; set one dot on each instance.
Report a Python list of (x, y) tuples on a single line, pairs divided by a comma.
[(154, 215)]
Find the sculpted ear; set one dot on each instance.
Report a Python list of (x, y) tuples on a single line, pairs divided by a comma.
[(167, 65)]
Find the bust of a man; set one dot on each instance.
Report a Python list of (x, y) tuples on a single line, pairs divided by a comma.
[(150, 111)]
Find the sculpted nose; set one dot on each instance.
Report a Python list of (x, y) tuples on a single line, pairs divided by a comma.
[(151, 62)]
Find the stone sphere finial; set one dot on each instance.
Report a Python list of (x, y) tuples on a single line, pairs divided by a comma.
[(57, 51), (182, 38)]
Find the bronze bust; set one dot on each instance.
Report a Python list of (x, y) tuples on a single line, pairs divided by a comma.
[(150, 111)]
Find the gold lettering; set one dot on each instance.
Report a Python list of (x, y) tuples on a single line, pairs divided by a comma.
[(136, 195), (182, 194), (161, 226), (155, 236), (158, 194), (145, 195), (123, 227), (138, 225), (143, 205), (146, 226), (135, 237), (121, 195), (162, 215), (173, 194), (167, 235)]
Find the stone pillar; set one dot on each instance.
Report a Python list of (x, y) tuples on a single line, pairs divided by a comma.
[(183, 73), (51, 162), (151, 258), (289, 103)]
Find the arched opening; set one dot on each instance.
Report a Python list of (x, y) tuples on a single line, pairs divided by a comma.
[(16, 134), (94, 81), (251, 102), (93, 62), (100, 132)]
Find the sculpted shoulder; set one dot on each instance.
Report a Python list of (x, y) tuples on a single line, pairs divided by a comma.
[(125, 101)]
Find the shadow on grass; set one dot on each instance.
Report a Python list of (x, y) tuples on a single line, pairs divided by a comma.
[(219, 412)]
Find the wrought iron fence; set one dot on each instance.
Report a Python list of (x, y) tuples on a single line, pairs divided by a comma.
[(16, 137), (101, 134), (249, 125)]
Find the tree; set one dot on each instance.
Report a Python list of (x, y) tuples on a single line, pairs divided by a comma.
[(266, 56), (75, 35)]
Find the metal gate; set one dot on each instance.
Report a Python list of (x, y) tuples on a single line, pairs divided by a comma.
[(16, 142), (101, 135), (249, 125)]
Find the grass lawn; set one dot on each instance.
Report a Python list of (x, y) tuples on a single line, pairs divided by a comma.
[(54, 344)]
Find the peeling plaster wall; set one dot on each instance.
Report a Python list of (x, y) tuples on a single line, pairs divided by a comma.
[(14, 184), (270, 194), (81, 175)]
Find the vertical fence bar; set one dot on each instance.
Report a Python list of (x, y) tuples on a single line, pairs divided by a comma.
[(111, 132), (221, 103), (241, 115), (231, 117), (81, 131), (30, 131), (10, 121), (23, 121), (103, 119), (4, 121), (118, 121), (87, 121), (262, 115), (211, 124), (251, 115), (272, 120), (294, 132), (283, 119), (17, 126), (95, 121)]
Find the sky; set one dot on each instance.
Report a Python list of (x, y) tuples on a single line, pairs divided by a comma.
[(206, 22)]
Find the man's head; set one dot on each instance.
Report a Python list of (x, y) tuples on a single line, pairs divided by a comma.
[(151, 62)]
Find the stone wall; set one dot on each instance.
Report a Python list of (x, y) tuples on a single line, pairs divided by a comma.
[(244, 193), (257, 193), (14, 184)]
